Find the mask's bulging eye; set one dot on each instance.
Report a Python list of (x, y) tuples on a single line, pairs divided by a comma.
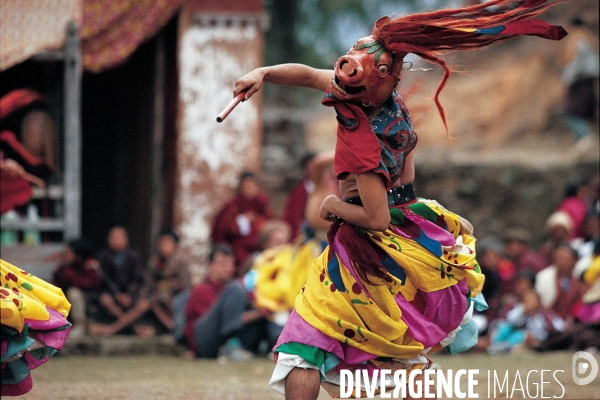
[(383, 69)]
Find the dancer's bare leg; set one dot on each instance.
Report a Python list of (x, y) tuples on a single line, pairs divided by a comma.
[(302, 384)]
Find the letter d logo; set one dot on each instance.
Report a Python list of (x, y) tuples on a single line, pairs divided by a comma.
[(583, 366)]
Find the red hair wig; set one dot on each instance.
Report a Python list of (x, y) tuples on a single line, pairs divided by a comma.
[(465, 28)]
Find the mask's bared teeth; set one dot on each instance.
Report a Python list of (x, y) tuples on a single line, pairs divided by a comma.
[(338, 87)]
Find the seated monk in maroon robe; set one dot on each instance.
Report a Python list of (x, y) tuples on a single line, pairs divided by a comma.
[(239, 221)]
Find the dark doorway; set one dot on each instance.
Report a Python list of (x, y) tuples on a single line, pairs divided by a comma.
[(118, 124)]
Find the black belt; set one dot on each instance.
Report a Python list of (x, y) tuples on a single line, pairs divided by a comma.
[(396, 196)]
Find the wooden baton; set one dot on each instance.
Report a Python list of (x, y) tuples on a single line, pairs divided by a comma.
[(232, 104)]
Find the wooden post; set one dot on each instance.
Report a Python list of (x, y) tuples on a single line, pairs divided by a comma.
[(72, 134), (158, 131)]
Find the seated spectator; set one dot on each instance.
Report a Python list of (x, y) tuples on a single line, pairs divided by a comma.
[(577, 202), (79, 277), (585, 246), (591, 232), (526, 325), (498, 273), (517, 247), (168, 277), (584, 333), (316, 167), (274, 233), (219, 311), (324, 178), (558, 230), (520, 284), (559, 290), (238, 223), (293, 210), (272, 265), (123, 278)]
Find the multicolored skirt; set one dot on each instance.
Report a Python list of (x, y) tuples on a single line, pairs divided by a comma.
[(34, 326), (424, 303)]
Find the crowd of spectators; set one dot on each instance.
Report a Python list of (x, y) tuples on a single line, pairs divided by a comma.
[(113, 293), (545, 297), (541, 297)]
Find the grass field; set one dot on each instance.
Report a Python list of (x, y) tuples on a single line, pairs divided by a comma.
[(164, 377)]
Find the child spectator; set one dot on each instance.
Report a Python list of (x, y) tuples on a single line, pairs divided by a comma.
[(167, 277), (79, 278), (520, 284), (526, 325)]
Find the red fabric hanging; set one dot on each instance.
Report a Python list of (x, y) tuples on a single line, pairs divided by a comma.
[(111, 30)]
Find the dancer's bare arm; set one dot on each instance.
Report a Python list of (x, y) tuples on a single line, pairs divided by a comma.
[(299, 75), (372, 215)]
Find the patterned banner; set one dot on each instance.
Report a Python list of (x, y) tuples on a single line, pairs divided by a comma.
[(113, 29)]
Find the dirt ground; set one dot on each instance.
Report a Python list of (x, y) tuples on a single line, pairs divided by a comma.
[(164, 377)]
